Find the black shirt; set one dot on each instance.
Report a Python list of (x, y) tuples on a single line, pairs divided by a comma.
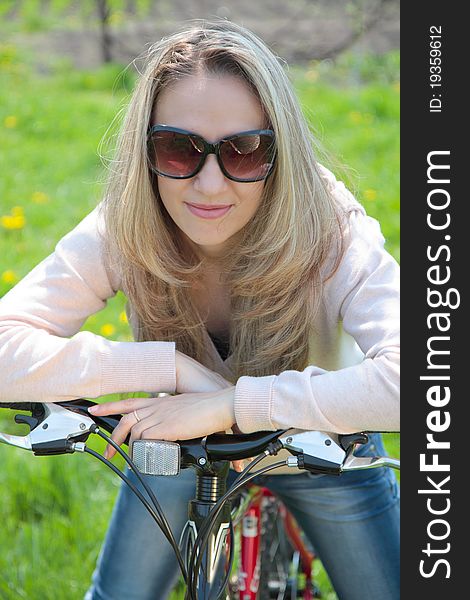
[(222, 345)]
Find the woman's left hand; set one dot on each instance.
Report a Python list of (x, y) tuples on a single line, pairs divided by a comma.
[(180, 417)]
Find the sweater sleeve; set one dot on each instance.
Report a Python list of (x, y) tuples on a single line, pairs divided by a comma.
[(364, 295), (43, 355)]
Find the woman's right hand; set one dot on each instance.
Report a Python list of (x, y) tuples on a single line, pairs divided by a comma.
[(192, 377)]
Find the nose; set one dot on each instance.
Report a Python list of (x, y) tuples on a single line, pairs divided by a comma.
[(210, 180)]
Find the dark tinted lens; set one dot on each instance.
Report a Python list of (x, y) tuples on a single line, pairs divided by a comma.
[(248, 156), (175, 154)]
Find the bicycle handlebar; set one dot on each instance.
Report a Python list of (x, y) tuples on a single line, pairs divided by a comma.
[(63, 427)]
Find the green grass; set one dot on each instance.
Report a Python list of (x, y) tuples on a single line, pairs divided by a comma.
[(55, 511)]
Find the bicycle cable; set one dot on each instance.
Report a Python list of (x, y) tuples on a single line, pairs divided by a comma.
[(231, 557), (157, 512), (251, 465), (203, 528), (148, 489), (248, 468), (230, 562), (203, 536), (271, 450)]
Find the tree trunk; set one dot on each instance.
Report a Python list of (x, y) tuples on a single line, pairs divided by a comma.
[(106, 39)]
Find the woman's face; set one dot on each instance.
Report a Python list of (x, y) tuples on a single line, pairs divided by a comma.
[(213, 106)]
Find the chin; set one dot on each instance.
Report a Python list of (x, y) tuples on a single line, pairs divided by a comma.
[(210, 245)]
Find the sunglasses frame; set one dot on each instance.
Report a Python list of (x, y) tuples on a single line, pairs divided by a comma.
[(210, 149)]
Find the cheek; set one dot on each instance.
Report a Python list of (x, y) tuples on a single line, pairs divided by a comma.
[(251, 198), (163, 188), (169, 190)]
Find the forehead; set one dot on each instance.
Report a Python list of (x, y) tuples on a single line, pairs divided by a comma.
[(211, 105)]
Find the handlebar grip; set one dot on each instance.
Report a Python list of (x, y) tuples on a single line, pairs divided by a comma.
[(19, 405), (239, 446), (81, 406)]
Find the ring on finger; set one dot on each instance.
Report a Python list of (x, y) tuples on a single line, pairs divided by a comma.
[(136, 416)]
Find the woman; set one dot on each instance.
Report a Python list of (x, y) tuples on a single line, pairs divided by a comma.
[(259, 293)]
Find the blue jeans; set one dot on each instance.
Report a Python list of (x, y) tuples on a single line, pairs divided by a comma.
[(351, 520)]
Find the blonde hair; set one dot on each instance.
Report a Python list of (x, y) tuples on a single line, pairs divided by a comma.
[(275, 271)]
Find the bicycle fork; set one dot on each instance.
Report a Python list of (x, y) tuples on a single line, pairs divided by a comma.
[(214, 566)]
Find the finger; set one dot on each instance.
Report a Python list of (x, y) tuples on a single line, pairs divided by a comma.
[(150, 430), (131, 441), (167, 431), (133, 425), (120, 406), (238, 465), (120, 434)]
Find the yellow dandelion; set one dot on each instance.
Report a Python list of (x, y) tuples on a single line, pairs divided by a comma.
[(10, 122), (12, 221), (123, 317), (40, 198), (9, 276), (370, 195), (355, 116), (107, 329)]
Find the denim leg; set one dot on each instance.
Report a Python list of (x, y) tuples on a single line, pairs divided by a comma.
[(353, 523), (136, 561), (351, 520)]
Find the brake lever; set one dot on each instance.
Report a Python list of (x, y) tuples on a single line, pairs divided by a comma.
[(16, 440), (315, 451), (356, 463), (54, 430), (322, 452)]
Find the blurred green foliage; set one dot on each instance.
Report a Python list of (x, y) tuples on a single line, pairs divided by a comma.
[(32, 16)]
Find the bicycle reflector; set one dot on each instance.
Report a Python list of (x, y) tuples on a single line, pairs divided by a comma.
[(156, 457)]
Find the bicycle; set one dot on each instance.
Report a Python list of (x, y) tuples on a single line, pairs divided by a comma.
[(274, 560)]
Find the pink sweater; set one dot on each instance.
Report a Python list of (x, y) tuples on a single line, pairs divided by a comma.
[(351, 385)]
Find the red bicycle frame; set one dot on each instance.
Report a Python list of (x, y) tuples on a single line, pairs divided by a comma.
[(250, 542)]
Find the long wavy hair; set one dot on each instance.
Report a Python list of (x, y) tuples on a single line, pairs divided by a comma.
[(275, 272)]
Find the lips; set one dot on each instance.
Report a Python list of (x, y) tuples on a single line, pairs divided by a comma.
[(207, 211)]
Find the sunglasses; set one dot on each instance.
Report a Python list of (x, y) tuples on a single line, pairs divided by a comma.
[(248, 156)]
